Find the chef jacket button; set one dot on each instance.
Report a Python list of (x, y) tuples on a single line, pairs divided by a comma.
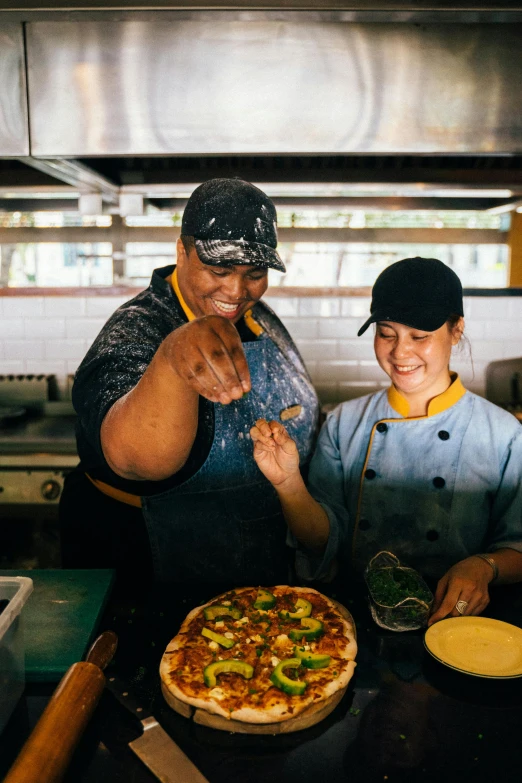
[(364, 524), (432, 535), (370, 474), (438, 482), (382, 427), (443, 435)]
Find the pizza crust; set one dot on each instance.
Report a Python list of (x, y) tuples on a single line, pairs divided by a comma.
[(304, 720), (279, 713)]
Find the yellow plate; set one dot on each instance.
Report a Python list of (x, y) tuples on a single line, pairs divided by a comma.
[(477, 645)]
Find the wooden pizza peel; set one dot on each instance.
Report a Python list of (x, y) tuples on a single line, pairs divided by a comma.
[(302, 721)]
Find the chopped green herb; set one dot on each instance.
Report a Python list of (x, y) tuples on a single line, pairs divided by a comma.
[(402, 736), (259, 652), (389, 586), (480, 736), (252, 691), (354, 711), (132, 610)]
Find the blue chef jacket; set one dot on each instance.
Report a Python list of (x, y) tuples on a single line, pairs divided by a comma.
[(433, 489)]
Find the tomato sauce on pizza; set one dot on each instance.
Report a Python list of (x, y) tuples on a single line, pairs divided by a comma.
[(261, 655)]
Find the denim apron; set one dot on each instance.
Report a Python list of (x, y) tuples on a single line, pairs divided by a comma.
[(225, 523)]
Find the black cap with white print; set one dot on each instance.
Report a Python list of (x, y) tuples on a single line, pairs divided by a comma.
[(232, 222)]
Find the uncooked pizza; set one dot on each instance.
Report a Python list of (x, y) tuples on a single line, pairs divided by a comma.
[(261, 656)]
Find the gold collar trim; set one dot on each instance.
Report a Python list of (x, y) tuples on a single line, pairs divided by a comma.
[(175, 285), (438, 404)]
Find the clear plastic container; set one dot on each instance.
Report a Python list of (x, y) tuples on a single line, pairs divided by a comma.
[(16, 589), (408, 598)]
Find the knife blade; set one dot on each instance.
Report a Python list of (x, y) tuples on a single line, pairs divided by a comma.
[(156, 749)]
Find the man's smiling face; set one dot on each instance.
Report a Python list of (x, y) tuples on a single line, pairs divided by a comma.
[(228, 291)]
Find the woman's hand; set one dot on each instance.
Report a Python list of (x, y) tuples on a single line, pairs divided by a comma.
[(275, 452), (467, 581), (277, 458)]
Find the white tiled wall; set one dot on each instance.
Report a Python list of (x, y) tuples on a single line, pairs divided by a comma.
[(343, 365), (51, 335)]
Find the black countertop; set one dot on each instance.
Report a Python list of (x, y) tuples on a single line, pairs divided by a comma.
[(405, 717)]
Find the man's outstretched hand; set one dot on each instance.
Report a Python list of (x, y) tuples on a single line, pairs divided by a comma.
[(208, 355)]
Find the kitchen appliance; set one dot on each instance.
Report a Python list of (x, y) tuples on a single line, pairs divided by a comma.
[(504, 385), (37, 449)]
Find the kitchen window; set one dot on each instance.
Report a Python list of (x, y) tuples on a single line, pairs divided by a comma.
[(322, 248)]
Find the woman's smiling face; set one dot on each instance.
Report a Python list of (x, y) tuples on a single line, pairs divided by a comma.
[(417, 362)]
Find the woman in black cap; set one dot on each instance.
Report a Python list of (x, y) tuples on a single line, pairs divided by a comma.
[(424, 468)]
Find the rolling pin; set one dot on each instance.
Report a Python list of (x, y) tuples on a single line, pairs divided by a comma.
[(46, 755)]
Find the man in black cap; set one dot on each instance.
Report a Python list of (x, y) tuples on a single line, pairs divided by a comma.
[(165, 399)]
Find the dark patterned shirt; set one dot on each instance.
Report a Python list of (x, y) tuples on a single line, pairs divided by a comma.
[(119, 357)]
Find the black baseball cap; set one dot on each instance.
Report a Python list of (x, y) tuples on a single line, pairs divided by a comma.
[(232, 222), (417, 292)]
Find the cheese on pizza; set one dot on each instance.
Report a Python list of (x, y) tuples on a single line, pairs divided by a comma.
[(261, 655)]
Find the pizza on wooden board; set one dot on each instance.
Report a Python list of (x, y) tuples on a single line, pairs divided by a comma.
[(257, 656)]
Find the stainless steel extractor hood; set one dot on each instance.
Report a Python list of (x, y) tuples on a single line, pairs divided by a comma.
[(212, 84), (14, 135)]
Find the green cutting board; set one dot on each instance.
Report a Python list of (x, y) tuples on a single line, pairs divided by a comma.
[(60, 618)]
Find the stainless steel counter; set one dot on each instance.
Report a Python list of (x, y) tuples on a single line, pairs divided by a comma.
[(49, 434)]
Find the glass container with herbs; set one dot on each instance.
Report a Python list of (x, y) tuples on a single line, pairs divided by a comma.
[(400, 599)]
